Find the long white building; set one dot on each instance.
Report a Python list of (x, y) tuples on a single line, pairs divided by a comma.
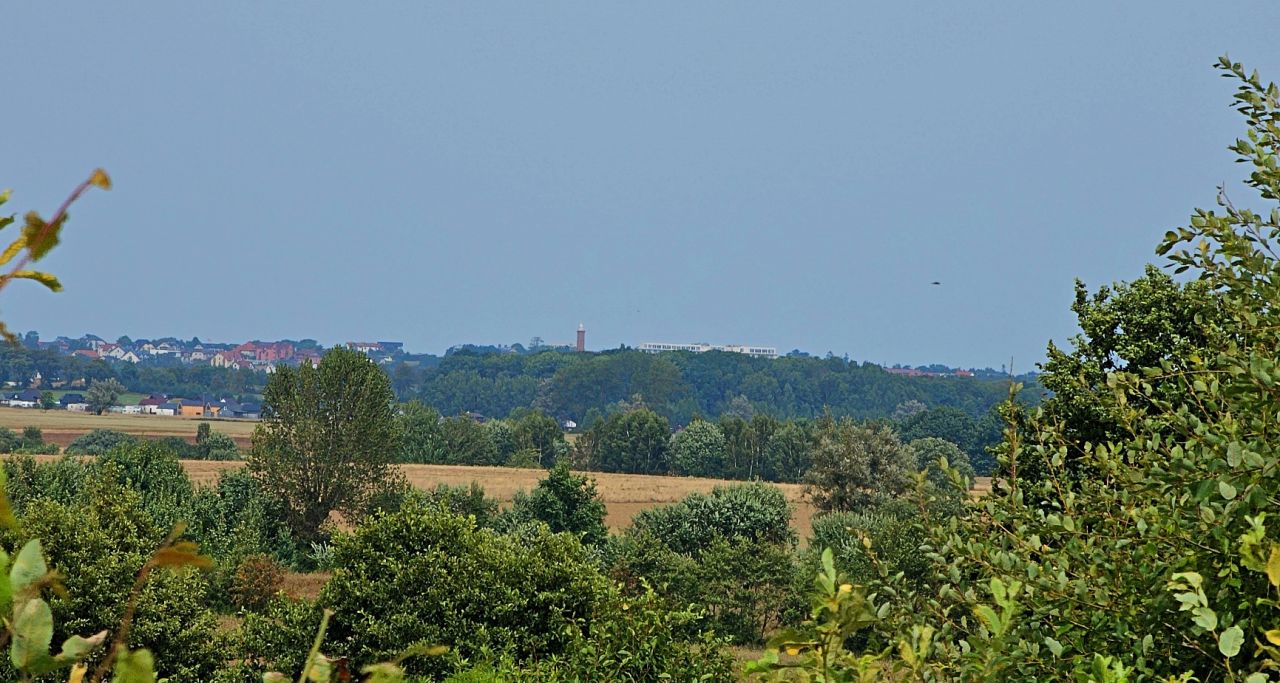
[(756, 351)]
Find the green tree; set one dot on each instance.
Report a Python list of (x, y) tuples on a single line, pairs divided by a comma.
[(858, 466), (565, 502), (48, 401), (541, 432), (103, 394), (466, 442), (1127, 327), (1153, 553), (421, 439), (327, 438), (788, 453), (698, 450), (635, 441)]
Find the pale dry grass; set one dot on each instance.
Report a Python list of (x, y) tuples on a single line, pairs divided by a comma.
[(624, 494)]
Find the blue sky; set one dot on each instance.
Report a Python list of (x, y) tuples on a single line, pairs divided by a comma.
[(765, 173)]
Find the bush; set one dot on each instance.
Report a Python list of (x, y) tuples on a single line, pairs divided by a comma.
[(277, 638), (755, 511), (257, 580), (32, 436), (634, 638), (896, 540), (462, 500), (98, 546), (729, 552), (426, 575), (565, 502), (99, 441), (61, 480), (9, 440), (211, 445)]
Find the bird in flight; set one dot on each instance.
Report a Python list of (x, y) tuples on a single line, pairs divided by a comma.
[(935, 282)]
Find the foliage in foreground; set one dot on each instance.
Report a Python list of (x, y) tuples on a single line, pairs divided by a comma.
[(1164, 562)]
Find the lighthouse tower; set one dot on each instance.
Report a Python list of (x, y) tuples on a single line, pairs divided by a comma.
[(582, 338)]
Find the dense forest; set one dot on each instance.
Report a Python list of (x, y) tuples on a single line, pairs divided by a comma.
[(682, 385), (581, 387)]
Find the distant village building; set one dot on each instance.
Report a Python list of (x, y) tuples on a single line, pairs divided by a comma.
[(754, 351)]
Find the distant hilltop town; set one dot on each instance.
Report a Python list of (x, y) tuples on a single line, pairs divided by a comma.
[(264, 356), (251, 355)]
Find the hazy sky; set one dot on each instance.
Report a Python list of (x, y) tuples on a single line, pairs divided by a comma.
[(784, 174)]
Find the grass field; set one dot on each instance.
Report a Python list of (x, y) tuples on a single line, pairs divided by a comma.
[(62, 427)]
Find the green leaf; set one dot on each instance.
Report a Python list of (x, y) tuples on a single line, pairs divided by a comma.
[(28, 567), (1273, 566), (1054, 646), (41, 236), (1234, 454), (76, 648), (1205, 618), (1226, 490), (321, 670), (1230, 641), (134, 667), (32, 633)]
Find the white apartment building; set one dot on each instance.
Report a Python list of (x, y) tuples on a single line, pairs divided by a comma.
[(756, 351)]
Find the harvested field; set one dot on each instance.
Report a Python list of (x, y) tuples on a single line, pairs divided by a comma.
[(624, 494), (62, 427)]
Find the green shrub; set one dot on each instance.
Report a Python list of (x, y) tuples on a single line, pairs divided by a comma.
[(729, 552), (180, 447), (61, 480), (755, 511), (895, 541), (428, 576), (98, 545), (462, 500), (9, 440), (32, 436), (155, 473), (99, 441), (213, 445), (277, 638), (40, 449), (565, 502), (636, 638)]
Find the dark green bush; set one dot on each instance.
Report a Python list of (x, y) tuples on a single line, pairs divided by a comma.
[(426, 575), (99, 441), (635, 638), (60, 480), (893, 532), (564, 502), (756, 511), (277, 638), (9, 440), (729, 552), (98, 545)]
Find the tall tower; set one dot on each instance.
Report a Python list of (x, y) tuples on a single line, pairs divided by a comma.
[(582, 338)]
